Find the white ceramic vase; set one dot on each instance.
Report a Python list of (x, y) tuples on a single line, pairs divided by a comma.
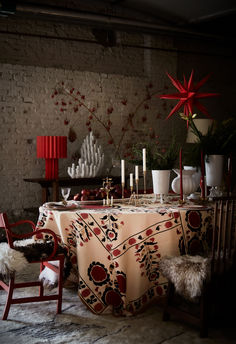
[(197, 173), (161, 182), (214, 169), (214, 174), (189, 183)]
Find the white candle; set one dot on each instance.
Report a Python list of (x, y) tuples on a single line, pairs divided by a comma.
[(136, 172), (122, 171), (131, 179), (144, 160)]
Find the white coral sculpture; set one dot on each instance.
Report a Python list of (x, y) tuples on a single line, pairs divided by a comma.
[(91, 159)]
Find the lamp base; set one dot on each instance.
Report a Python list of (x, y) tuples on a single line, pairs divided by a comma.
[(51, 168)]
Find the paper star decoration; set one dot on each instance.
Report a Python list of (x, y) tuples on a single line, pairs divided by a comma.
[(188, 95)]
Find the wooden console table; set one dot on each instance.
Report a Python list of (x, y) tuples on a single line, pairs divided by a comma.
[(55, 184)]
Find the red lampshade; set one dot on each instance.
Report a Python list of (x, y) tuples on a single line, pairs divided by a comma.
[(51, 148)]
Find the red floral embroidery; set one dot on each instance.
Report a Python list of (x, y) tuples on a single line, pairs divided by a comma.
[(84, 216), (132, 241), (149, 232), (98, 307), (108, 247), (85, 293), (97, 231), (168, 224), (116, 252)]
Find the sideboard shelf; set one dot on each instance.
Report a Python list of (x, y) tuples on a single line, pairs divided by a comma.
[(55, 184)]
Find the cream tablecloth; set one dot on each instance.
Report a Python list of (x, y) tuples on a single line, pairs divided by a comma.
[(116, 251)]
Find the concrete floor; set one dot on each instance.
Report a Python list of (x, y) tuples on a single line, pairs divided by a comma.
[(38, 323)]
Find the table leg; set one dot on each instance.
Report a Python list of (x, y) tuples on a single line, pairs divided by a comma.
[(44, 195), (55, 191)]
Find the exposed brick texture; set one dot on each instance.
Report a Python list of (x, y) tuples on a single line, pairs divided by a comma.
[(35, 56)]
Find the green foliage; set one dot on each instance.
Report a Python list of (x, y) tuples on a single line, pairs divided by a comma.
[(156, 159), (220, 139)]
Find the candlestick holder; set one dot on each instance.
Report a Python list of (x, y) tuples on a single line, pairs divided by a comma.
[(131, 189), (181, 201), (133, 200), (123, 189), (107, 187), (136, 183), (144, 182)]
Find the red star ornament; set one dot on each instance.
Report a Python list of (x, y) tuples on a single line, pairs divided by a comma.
[(188, 95)]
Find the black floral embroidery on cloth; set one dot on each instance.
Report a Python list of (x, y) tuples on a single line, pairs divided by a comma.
[(148, 258), (158, 290), (71, 239), (42, 219), (98, 274), (111, 234)]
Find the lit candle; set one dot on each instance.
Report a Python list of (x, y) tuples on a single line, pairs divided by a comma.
[(144, 160), (181, 174), (122, 171), (202, 182), (136, 172), (131, 179)]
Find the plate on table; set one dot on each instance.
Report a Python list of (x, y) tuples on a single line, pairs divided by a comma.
[(90, 202), (70, 205), (100, 201), (193, 207)]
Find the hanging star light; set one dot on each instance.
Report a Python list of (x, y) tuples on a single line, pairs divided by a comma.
[(188, 95)]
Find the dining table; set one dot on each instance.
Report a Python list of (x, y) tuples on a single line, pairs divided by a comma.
[(115, 250)]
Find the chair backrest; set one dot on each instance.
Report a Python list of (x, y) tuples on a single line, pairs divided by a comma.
[(4, 223), (224, 235)]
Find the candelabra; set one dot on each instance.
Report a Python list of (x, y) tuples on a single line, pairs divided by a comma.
[(107, 187)]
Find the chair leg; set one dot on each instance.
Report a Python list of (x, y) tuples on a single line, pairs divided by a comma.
[(41, 289), (204, 314), (169, 297), (9, 298), (60, 279)]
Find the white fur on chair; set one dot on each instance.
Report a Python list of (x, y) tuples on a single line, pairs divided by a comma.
[(48, 277), (29, 250), (187, 273), (10, 260)]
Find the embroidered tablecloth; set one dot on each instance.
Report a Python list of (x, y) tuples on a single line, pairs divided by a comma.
[(116, 251)]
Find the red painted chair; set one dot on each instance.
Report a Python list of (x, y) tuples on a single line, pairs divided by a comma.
[(44, 262)]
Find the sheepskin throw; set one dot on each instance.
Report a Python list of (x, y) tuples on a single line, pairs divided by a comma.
[(187, 273), (29, 250), (10, 261)]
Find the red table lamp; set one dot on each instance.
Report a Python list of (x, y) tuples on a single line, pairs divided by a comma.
[(51, 148)]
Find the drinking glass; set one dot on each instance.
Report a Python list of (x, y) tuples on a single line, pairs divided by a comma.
[(65, 194)]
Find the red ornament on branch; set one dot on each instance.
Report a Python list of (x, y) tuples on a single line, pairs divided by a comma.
[(188, 95)]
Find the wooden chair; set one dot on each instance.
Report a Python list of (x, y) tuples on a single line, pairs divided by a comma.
[(44, 262), (219, 272)]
